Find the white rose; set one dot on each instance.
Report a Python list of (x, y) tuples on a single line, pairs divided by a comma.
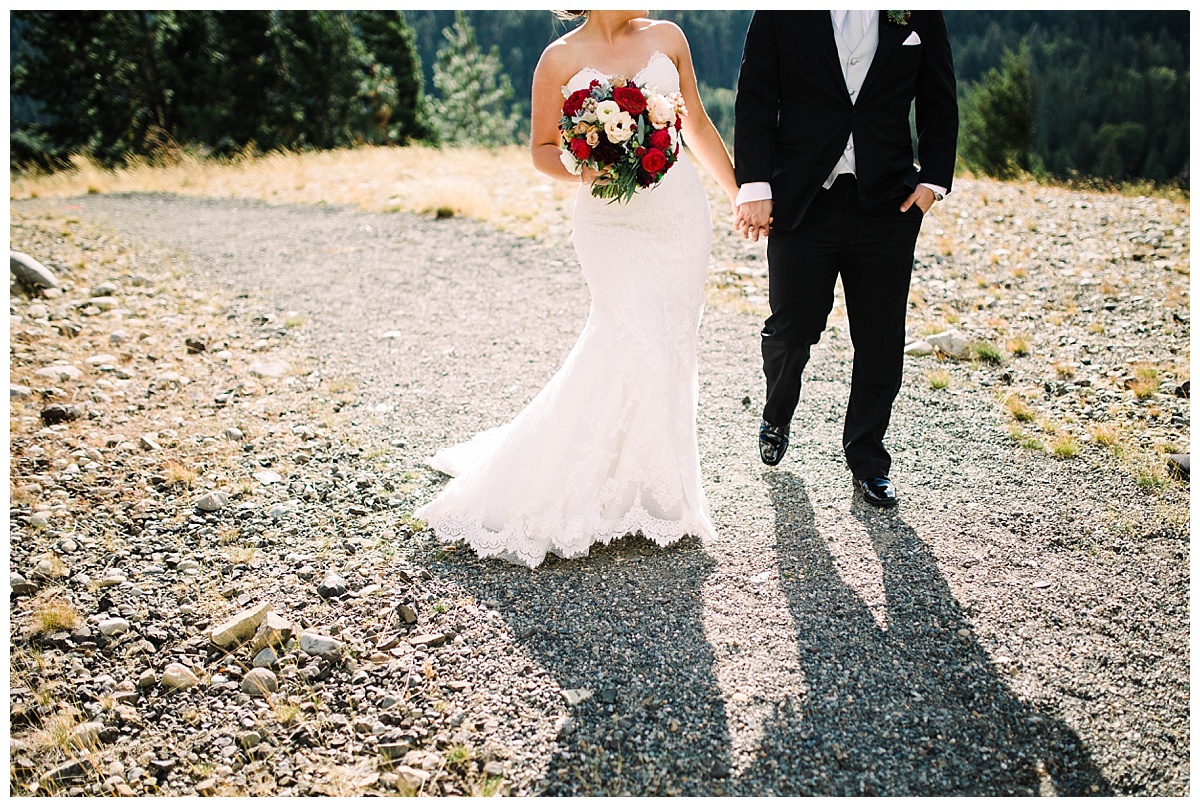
[(660, 110), (606, 109), (619, 127), (571, 164)]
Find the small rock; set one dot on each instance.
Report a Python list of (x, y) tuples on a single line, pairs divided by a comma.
[(576, 696), (273, 369), (428, 639), (177, 676), (147, 679), (20, 587), (30, 271), (212, 501), (105, 303), (1180, 466), (952, 343), (411, 777), (60, 413), (207, 787), (195, 345), (260, 681), (316, 644), (394, 751), (102, 359), (275, 631), (40, 520), (18, 392), (86, 735), (149, 442), (69, 772), (110, 580), (267, 657), (60, 372), (408, 613), (234, 434), (494, 768), (918, 348), (114, 626), (334, 585), (268, 477), (239, 628)]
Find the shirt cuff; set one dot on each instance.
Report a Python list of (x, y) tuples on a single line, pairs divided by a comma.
[(753, 192), (935, 188)]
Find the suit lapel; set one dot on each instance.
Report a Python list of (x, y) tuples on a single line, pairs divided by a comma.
[(890, 37)]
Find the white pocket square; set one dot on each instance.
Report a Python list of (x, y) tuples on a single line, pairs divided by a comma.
[(913, 39)]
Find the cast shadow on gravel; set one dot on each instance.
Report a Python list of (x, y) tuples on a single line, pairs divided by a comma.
[(913, 708), (625, 623)]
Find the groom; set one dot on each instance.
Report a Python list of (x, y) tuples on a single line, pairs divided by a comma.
[(824, 156)]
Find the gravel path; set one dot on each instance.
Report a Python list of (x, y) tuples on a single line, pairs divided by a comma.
[(1019, 625)]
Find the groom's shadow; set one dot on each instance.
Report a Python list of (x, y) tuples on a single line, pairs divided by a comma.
[(911, 707), (624, 623)]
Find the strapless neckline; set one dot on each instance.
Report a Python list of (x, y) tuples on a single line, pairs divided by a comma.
[(634, 78)]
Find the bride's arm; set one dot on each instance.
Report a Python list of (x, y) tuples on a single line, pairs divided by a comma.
[(698, 131), (547, 104)]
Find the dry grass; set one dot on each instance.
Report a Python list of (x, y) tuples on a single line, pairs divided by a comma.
[(1064, 446), (938, 379), (53, 615), (1020, 410), (499, 186)]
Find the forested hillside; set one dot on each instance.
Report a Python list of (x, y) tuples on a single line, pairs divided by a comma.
[(1106, 94)]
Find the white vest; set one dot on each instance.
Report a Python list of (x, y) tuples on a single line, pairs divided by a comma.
[(855, 65)]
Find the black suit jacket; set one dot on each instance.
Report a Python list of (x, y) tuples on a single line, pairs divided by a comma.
[(794, 114)]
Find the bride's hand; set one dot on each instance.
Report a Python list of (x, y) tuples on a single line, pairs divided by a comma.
[(590, 176)]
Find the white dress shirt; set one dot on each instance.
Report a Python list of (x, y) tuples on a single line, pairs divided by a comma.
[(856, 49)]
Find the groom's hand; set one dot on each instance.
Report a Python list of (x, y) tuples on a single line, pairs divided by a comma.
[(922, 197), (754, 219)]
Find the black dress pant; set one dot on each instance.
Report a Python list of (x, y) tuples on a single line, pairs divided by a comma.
[(872, 250)]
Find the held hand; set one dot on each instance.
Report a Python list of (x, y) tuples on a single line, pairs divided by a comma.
[(754, 219), (922, 197), (590, 176)]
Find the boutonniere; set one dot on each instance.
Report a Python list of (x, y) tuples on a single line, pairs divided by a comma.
[(899, 17)]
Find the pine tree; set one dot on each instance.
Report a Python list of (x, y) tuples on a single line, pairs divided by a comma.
[(473, 105), (392, 88), (997, 119)]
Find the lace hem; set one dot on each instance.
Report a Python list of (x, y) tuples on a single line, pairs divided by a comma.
[(526, 543)]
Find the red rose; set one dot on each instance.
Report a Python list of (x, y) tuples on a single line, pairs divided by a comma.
[(678, 123), (630, 99), (581, 149), (574, 104), (654, 161), (660, 139)]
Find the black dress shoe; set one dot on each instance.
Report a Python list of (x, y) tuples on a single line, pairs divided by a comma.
[(879, 491), (772, 442)]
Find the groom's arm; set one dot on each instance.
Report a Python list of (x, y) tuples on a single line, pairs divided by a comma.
[(756, 108), (756, 115), (937, 106)]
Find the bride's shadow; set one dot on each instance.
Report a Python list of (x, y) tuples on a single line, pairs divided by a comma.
[(913, 707), (626, 624)]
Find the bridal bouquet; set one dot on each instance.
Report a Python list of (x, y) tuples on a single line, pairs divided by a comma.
[(623, 130)]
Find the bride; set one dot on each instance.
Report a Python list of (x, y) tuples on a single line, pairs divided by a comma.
[(608, 447)]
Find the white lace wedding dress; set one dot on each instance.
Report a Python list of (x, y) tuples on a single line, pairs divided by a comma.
[(608, 447)]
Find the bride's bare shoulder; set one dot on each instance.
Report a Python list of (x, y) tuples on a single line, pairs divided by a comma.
[(560, 54), (667, 36)]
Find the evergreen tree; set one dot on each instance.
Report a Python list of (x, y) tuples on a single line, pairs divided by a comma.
[(320, 64), (393, 87), (473, 105), (997, 119)]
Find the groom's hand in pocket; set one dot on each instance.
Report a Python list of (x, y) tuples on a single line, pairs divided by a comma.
[(754, 219)]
